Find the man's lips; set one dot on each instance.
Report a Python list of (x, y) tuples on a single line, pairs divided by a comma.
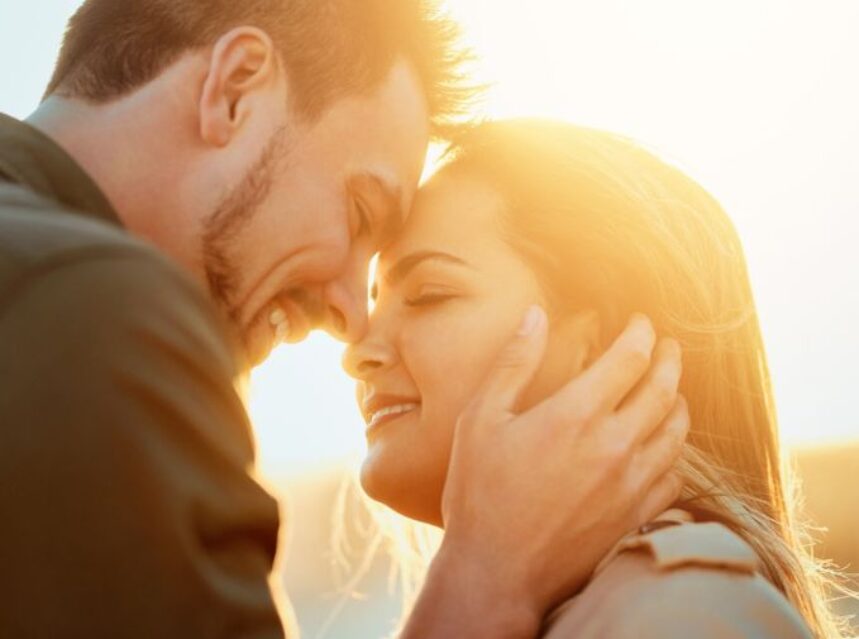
[(380, 408)]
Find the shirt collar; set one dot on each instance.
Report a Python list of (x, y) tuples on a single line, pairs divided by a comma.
[(31, 159)]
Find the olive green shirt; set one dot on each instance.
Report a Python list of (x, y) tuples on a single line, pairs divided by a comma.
[(127, 504)]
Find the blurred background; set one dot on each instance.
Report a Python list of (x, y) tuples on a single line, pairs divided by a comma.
[(756, 99)]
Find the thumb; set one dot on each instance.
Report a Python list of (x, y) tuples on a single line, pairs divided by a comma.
[(515, 365)]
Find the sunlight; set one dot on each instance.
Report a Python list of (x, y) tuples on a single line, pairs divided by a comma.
[(756, 125), (755, 99)]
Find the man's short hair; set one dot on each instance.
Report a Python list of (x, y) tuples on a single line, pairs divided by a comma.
[(331, 48)]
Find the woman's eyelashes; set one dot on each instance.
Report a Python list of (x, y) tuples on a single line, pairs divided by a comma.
[(429, 298)]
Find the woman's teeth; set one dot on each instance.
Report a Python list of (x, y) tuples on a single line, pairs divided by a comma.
[(280, 323), (396, 409)]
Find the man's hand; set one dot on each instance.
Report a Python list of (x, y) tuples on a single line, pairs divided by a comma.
[(534, 501)]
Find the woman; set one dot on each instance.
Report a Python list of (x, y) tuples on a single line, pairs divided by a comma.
[(592, 228)]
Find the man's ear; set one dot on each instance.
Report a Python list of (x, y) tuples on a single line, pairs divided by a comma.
[(243, 61)]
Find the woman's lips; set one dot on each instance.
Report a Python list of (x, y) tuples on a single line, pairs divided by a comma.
[(380, 412), (390, 412)]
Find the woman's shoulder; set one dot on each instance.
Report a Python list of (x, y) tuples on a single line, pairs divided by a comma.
[(677, 578)]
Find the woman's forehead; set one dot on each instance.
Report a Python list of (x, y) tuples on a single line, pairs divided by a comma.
[(451, 213)]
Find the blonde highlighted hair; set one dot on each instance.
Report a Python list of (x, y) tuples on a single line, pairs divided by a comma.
[(608, 226)]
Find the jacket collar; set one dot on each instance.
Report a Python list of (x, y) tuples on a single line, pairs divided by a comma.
[(31, 159)]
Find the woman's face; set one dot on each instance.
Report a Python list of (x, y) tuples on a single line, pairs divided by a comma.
[(450, 292)]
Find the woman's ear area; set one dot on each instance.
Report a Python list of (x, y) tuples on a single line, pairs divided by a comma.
[(586, 327), (576, 338), (244, 72), (574, 343)]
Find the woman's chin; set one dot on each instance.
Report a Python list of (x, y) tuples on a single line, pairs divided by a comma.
[(402, 491)]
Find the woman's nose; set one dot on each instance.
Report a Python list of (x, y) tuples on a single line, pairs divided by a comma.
[(364, 358)]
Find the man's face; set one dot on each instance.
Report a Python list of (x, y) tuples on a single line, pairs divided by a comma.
[(288, 248)]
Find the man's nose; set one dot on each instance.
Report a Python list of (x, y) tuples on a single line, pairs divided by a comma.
[(345, 313)]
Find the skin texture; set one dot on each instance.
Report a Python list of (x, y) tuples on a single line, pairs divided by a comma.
[(274, 213), (447, 337), (265, 208), (435, 331)]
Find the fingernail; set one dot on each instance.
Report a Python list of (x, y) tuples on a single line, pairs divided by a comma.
[(641, 322), (532, 319), (637, 319)]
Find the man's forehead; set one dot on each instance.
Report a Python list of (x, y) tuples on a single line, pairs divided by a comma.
[(403, 131)]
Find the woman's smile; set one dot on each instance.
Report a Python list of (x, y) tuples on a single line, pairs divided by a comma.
[(388, 415), (449, 292), (380, 410)]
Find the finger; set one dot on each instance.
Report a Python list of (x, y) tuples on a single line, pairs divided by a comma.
[(659, 498), (660, 453), (651, 402), (514, 367), (602, 387)]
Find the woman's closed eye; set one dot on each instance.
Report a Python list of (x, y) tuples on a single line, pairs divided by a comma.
[(430, 296)]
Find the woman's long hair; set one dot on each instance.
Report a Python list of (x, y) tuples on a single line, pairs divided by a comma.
[(608, 226)]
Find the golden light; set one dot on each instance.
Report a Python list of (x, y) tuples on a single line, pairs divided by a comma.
[(756, 99), (753, 98)]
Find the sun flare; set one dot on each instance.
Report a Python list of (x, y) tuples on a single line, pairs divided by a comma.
[(761, 127)]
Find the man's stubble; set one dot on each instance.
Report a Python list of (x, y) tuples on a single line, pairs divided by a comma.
[(233, 214)]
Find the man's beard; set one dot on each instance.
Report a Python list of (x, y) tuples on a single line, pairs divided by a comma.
[(224, 226)]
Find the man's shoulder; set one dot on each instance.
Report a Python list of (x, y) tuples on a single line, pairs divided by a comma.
[(670, 581), (40, 238), (47, 252), (35, 230)]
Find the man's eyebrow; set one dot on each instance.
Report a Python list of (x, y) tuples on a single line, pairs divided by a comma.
[(408, 263)]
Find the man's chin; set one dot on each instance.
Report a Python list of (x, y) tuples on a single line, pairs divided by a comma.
[(258, 342), (255, 358)]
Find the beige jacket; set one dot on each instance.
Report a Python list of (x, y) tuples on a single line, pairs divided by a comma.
[(678, 579)]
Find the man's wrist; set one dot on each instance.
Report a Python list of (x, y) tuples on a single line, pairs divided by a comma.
[(468, 599)]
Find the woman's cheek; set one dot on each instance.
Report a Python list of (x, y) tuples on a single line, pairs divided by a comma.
[(455, 359)]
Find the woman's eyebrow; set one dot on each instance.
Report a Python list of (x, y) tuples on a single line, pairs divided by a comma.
[(408, 263)]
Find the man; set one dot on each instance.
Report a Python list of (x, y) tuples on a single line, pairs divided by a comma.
[(204, 180)]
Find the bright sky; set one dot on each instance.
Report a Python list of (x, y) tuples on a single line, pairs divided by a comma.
[(757, 99)]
